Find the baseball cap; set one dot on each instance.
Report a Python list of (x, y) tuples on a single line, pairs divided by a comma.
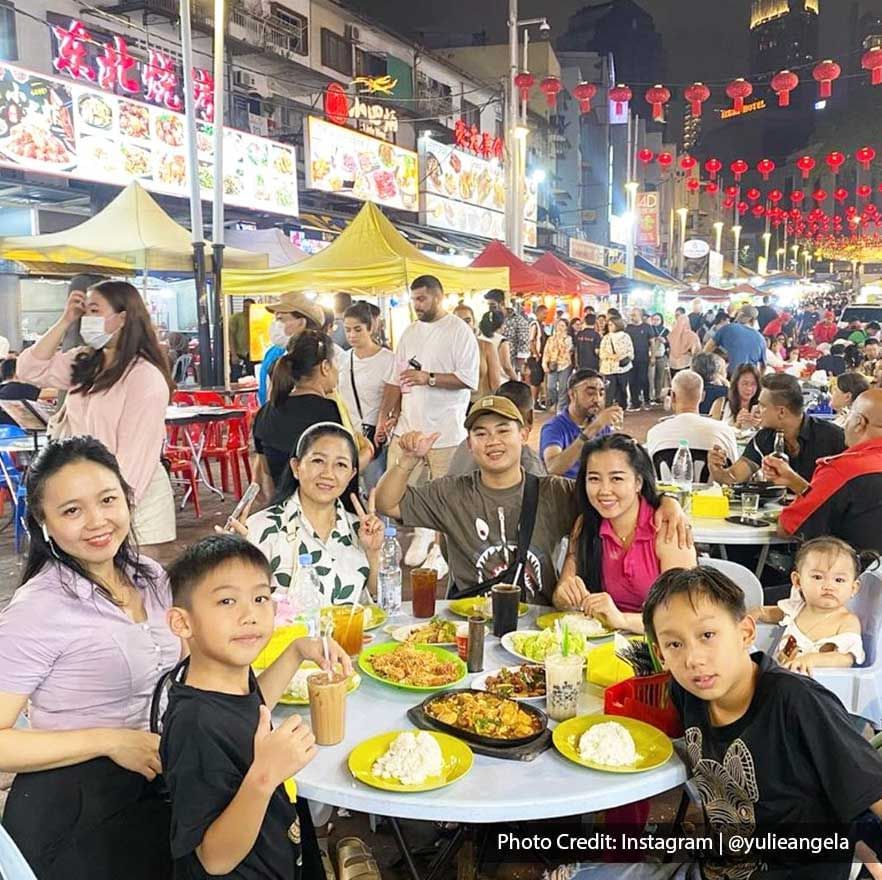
[(829, 315), (299, 304), (500, 406)]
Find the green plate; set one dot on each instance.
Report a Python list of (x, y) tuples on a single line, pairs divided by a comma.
[(366, 666), (288, 699), (547, 620), (458, 759), (377, 616), (653, 746), (468, 607)]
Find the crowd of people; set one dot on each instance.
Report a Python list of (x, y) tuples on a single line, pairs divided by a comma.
[(434, 436)]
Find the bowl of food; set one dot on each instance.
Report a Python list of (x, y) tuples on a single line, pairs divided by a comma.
[(485, 718), (524, 682), (437, 631)]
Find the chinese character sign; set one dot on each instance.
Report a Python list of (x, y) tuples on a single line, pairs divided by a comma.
[(647, 220), (483, 144)]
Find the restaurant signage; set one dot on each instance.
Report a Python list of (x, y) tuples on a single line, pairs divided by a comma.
[(587, 252), (351, 164), (376, 120), (54, 126), (466, 193), (105, 60), (481, 143), (748, 108), (647, 220)]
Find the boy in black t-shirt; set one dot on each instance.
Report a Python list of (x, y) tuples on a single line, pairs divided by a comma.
[(234, 806), (770, 751)]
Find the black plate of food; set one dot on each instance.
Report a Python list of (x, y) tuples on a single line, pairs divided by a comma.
[(485, 718), (753, 522), (767, 492)]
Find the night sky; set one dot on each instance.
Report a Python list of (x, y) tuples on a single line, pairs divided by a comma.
[(702, 40)]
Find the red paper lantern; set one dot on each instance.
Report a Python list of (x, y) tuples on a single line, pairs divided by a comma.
[(551, 87), (732, 191), (872, 60), (696, 95), (840, 194), (743, 208), (584, 93), (865, 156), (825, 72), (658, 96), (864, 191), (645, 156), (753, 194), (739, 167), (850, 211), (795, 213), (819, 195), (712, 187), (775, 196), (713, 168), (783, 84), (835, 161), (621, 95), (524, 82), (693, 184), (336, 104), (765, 167), (738, 90), (758, 210), (687, 163), (665, 160), (729, 202), (806, 165)]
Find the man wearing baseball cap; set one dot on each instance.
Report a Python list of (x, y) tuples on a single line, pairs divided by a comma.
[(825, 331), (480, 512), (743, 343), (293, 313)]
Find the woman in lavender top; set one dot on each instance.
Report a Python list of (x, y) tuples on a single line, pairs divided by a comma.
[(82, 645)]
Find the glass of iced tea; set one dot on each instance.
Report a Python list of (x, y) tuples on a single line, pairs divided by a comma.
[(423, 583), (348, 623)]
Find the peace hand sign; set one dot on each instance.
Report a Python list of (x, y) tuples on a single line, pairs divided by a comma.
[(370, 527)]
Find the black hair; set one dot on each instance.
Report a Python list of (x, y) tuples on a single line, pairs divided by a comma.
[(519, 394), (700, 581), (853, 383), (306, 353), (679, 310), (430, 282), (329, 319), (490, 323), (590, 319), (581, 375), (360, 312), (588, 553), (82, 283), (735, 397), (495, 295), (874, 326), (837, 348), (706, 364), (302, 444), (854, 357), (373, 308), (786, 391), (7, 369), (42, 553), (199, 560)]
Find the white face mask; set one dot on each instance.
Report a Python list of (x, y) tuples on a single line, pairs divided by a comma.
[(94, 332), (277, 334)]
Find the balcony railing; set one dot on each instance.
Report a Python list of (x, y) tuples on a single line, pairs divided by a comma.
[(267, 34)]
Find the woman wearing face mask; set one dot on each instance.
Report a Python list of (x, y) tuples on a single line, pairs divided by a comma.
[(118, 390), (309, 517), (82, 645)]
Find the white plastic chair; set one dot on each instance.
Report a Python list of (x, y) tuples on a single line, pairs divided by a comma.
[(743, 577), (12, 863)]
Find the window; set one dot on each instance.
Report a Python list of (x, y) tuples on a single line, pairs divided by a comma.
[(437, 98), (471, 114), (8, 42), (336, 52), (292, 30), (369, 64)]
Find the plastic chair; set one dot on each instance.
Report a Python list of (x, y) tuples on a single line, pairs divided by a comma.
[(15, 486), (663, 461), (183, 472), (13, 865), (183, 398), (743, 577)]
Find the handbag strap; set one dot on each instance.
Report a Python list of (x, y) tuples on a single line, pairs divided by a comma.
[(352, 382)]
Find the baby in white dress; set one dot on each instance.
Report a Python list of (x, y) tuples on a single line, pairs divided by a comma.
[(819, 630)]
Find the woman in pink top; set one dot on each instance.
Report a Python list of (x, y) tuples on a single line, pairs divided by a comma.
[(119, 387), (82, 645), (614, 546)]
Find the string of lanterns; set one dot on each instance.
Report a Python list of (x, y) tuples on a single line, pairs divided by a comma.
[(783, 83)]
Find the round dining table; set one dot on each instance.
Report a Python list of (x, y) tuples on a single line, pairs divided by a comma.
[(494, 790)]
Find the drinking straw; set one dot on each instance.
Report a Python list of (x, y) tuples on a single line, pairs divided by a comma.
[(326, 649), (518, 571), (566, 639)]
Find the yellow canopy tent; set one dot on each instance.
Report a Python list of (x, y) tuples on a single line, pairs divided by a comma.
[(132, 232), (370, 257), (647, 278)]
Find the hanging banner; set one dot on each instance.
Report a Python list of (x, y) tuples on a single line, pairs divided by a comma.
[(587, 252), (647, 220)]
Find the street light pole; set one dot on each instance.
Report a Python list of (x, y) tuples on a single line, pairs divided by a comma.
[(736, 232), (513, 208), (221, 365)]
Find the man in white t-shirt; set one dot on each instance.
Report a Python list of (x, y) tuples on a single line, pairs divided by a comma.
[(436, 369), (702, 432)]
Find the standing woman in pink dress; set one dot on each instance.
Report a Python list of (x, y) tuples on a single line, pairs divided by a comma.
[(118, 389)]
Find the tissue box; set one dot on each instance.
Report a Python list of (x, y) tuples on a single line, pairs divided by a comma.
[(715, 506)]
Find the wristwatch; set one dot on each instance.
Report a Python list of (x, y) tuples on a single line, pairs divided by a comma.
[(431, 380)]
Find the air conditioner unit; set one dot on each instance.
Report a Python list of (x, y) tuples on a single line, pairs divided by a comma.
[(351, 33), (244, 79)]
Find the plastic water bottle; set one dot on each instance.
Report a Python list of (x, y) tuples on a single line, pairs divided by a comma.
[(681, 471), (304, 597), (389, 577)]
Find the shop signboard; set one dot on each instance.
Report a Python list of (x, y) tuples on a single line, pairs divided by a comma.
[(347, 163), (463, 192), (587, 252), (647, 220), (57, 127)]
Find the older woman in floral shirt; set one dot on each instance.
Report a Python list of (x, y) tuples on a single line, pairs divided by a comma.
[(309, 517)]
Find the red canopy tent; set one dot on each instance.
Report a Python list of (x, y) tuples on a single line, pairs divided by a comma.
[(575, 283), (522, 278)]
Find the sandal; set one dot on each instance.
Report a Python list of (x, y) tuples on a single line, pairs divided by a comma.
[(350, 848), (364, 868)]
